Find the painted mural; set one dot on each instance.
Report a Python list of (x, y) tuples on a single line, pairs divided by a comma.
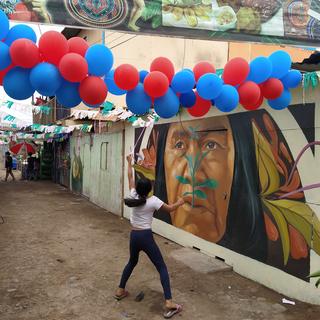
[(77, 171), (241, 182)]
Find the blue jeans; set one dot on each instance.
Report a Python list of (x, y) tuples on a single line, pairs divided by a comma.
[(142, 240)]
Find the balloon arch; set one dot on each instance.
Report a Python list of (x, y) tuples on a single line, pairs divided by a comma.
[(75, 72)]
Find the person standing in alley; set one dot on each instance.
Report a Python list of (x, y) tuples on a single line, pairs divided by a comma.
[(9, 165), (141, 238), (30, 166)]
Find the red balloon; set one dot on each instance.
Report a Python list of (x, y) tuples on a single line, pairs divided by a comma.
[(254, 106), (163, 65), (249, 93), (78, 45), (93, 90), (53, 46), (126, 77), (272, 88), (4, 72), (24, 53), (156, 84), (235, 71), (202, 68), (200, 108), (73, 67)]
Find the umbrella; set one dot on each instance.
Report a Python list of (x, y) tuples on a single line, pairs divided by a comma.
[(22, 148)]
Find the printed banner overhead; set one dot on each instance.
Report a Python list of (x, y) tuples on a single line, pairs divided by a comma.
[(273, 21)]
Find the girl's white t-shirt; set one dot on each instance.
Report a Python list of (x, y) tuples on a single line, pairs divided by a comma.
[(141, 217)]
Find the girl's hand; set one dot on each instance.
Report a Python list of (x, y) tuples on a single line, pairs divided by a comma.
[(129, 158), (181, 201)]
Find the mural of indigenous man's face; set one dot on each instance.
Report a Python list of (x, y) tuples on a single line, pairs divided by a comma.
[(198, 161)]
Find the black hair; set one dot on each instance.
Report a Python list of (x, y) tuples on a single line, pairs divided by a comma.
[(7, 153), (245, 229), (143, 188)]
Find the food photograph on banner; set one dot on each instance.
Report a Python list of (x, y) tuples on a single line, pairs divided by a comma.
[(287, 21)]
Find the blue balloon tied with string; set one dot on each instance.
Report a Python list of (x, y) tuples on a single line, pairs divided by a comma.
[(228, 99), (142, 75), (183, 81), (209, 86), (138, 102), (282, 102), (100, 60), (16, 84), (281, 64), (20, 31), (5, 59), (168, 105), (4, 25), (46, 79), (68, 94), (260, 70), (292, 79), (112, 87), (188, 99)]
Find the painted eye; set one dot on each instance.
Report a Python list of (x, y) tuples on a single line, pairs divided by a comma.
[(211, 145), (179, 145)]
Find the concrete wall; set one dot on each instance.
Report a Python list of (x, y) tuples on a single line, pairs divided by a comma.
[(97, 169), (293, 130)]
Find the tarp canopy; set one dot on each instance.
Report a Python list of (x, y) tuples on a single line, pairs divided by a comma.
[(272, 21)]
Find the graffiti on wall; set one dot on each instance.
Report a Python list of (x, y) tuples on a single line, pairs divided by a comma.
[(77, 172), (242, 186)]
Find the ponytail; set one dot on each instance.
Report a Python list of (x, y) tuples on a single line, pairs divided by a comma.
[(143, 188), (130, 202)]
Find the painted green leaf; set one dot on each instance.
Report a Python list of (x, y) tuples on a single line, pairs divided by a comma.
[(187, 193), (208, 183), (282, 227), (317, 283), (298, 214), (183, 180), (156, 21), (314, 274), (200, 194)]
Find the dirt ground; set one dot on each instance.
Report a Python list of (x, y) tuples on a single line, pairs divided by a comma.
[(61, 258)]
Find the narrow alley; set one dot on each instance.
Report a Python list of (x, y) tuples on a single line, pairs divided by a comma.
[(61, 259)]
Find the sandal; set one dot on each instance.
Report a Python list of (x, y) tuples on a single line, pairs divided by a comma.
[(171, 312), (124, 295)]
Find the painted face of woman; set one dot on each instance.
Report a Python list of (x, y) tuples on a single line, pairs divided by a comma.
[(199, 160)]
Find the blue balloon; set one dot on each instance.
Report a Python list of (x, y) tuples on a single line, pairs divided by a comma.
[(5, 59), (112, 87), (142, 75), (68, 94), (138, 101), (209, 86), (16, 84), (183, 81), (168, 105), (100, 60), (188, 99), (46, 79), (228, 99), (4, 25), (20, 31), (281, 63), (282, 102), (292, 79), (260, 70)]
